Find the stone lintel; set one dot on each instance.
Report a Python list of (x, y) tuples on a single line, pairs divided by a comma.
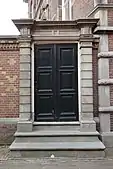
[(29, 23), (105, 82), (106, 109), (108, 54)]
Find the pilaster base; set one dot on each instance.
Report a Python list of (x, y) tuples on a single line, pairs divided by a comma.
[(24, 126), (107, 139), (88, 126)]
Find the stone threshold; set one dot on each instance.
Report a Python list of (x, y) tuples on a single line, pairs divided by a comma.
[(56, 123)]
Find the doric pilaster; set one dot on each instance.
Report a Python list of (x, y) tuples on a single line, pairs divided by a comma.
[(25, 112), (87, 122)]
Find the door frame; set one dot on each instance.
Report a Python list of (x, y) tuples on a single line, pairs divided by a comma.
[(33, 74)]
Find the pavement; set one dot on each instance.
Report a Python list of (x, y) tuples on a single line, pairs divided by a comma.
[(8, 162)]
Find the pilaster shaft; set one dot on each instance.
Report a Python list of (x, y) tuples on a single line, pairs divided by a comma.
[(103, 72), (25, 116), (87, 122)]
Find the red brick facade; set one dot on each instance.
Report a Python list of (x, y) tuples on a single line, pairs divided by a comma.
[(95, 79), (110, 47), (9, 80), (9, 86)]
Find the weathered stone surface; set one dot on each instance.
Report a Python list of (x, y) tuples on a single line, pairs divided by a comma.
[(25, 67), (103, 68), (87, 99), (25, 58), (25, 75), (25, 107), (25, 91), (104, 122), (25, 83), (86, 83), (25, 51), (86, 66), (87, 91), (87, 107), (25, 99), (86, 51), (104, 96), (24, 126), (86, 74)]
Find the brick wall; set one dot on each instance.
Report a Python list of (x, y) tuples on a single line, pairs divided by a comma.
[(110, 1), (95, 81), (95, 78), (82, 8), (9, 86), (110, 44)]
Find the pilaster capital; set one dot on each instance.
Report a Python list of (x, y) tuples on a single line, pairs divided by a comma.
[(24, 26)]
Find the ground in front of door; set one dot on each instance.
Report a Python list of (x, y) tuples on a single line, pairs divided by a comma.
[(7, 162)]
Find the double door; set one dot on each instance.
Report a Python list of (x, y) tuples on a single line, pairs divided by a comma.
[(56, 82)]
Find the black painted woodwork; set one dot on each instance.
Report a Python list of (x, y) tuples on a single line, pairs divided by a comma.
[(56, 82)]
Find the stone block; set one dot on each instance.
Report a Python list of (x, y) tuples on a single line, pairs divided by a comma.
[(104, 42), (87, 99), (109, 152), (104, 96), (25, 83), (25, 91), (25, 75), (104, 122), (25, 116), (87, 116), (86, 83), (24, 126), (25, 67), (86, 91), (25, 99), (86, 51), (86, 58), (87, 107), (25, 45), (86, 74), (85, 44), (103, 70), (107, 139), (86, 66), (25, 51), (88, 126), (25, 107), (25, 58)]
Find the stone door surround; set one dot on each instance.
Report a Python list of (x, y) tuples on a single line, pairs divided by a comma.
[(44, 32)]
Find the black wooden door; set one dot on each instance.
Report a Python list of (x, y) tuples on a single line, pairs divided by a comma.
[(56, 82)]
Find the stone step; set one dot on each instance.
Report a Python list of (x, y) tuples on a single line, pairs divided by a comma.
[(56, 126), (62, 149), (55, 133), (57, 139), (56, 136)]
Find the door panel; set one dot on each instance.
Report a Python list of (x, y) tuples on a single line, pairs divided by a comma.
[(56, 83), (44, 95), (67, 82)]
